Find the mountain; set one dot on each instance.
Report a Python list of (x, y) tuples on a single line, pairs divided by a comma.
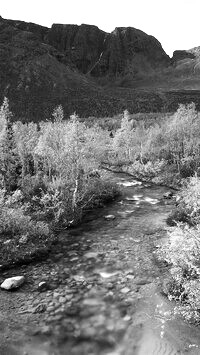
[(90, 71)]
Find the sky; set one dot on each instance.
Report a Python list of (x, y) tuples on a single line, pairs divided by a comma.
[(175, 23)]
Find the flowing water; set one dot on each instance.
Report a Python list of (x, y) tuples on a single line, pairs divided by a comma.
[(115, 305)]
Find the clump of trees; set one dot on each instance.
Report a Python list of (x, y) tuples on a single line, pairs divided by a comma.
[(167, 145), (49, 174)]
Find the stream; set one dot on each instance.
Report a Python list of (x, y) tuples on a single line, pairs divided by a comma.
[(105, 287)]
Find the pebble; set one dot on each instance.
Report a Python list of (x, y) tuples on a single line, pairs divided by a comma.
[(40, 308), (109, 217), (91, 255), (46, 330), (62, 299), (125, 290), (91, 302), (43, 286), (78, 278)]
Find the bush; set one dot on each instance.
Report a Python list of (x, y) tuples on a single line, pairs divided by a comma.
[(13, 222), (33, 186), (182, 253), (149, 169), (178, 215)]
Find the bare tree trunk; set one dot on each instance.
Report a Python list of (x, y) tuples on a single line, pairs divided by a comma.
[(74, 198)]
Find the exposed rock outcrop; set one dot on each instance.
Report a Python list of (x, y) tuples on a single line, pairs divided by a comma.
[(81, 44), (123, 51), (181, 54), (130, 51)]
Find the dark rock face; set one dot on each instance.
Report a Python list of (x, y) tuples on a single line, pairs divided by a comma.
[(125, 50), (82, 44), (130, 51), (180, 55)]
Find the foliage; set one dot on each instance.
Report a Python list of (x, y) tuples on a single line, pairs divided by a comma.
[(182, 251), (150, 169), (8, 158), (48, 176), (14, 221), (175, 141), (188, 206)]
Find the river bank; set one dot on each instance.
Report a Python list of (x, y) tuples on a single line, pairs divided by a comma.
[(170, 182)]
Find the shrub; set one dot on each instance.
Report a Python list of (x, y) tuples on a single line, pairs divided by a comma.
[(178, 215), (33, 186), (182, 253), (149, 169), (14, 222)]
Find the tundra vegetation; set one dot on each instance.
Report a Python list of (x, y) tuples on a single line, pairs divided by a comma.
[(50, 176), (49, 179)]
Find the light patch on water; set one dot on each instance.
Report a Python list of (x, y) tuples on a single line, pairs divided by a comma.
[(121, 202), (152, 201), (134, 198), (142, 198), (129, 183), (137, 197), (125, 213), (106, 274), (193, 346)]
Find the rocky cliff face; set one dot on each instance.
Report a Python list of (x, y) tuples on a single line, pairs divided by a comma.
[(124, 51), (130, 51), (81, 44), (181, 54)]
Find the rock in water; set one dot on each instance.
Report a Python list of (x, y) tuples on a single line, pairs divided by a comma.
[(109, 217), (40, 308), (43, 286), (168, 194), (13, 282)]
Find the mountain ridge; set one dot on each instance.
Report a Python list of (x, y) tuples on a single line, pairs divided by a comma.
[(83, 68)]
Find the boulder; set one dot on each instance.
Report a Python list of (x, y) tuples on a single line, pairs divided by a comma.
[(43, 286), (13, 282), (109, 217)]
